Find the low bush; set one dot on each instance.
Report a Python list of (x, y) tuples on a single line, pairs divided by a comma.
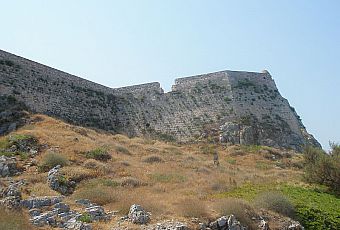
[(99, 167), (130, 182), (152, 159), (78, 173), (51, 159), (323, 168), (22, 155), (173, 150), (315, 209), (275, 201), (100, 154), (96, 193), (85, 217), (242, 210), (22, 144), (122, 149)]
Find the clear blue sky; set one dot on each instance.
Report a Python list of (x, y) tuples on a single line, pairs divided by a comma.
[(119, 43)]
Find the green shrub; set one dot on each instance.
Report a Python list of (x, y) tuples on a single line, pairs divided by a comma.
[(22, 143), (51, 160), (227, 99), (7, 154), (335, 149), (85, 217), (323, 168), (98, 154), (314, 208), (275, 201), (231, 161), (18, 137)]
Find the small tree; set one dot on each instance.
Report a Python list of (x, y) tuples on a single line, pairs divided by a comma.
[(323, 168)]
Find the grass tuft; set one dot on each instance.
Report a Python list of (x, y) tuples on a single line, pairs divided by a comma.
[(51, 159), (130, 182), (168, 178), (241, 209), (122, 149), (96, 192), (152, 159), (192, 207), (275, 201), (100, 154)]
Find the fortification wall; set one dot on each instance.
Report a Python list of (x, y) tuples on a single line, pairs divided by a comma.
[(140, 90), (195, 104), (49, 91), (191, 82)]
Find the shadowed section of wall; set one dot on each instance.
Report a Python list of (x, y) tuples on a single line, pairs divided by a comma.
[(237, 107)]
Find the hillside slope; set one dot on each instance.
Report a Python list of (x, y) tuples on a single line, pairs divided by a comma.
[(172, 181)]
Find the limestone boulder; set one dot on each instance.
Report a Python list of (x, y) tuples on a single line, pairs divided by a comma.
[(58, 182), (225, 223), (74, 224), (13, 189), (230, 133), (8, 166), (248, 135), (295, 225), (38, 202), (138, 215), (168, 225)]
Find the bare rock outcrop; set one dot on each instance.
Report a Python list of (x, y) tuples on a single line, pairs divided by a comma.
[(138, 215), (167, 225), (58, 182), (225, 223), (8, 166)]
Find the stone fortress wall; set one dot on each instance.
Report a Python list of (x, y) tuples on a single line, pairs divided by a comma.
[(196, 105)]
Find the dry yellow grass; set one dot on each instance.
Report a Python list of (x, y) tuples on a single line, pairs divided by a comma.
[(242, 210), (192, 207), (42, 189), (13, 220), (185, 174)]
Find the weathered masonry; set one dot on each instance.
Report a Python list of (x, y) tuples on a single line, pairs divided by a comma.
[(237, 107)]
